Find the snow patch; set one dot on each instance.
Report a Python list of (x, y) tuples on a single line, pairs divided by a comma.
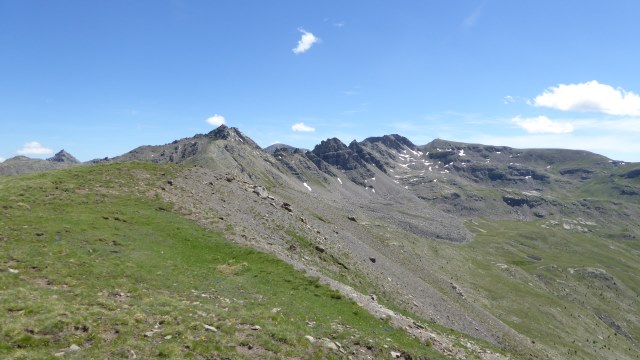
[(340, 181), (307, 186), (461, 153)]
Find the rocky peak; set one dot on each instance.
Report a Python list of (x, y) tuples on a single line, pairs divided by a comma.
[(224, 132), (63, 157), (329, 146), (336, 153)]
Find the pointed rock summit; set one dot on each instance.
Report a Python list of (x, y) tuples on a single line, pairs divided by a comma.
[(63, 157), (223, 132)]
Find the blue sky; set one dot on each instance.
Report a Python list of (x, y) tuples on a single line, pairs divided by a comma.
[(99, 78)]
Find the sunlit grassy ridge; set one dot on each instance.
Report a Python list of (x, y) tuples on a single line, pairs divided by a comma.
[(93, 265)]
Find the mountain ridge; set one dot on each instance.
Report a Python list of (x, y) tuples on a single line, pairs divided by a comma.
[(449, 232)]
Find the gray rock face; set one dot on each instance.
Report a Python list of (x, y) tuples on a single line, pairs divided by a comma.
[(334, 152), (337, 154)]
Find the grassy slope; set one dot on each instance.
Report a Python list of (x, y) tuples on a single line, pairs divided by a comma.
[(547, 283), (89, 257)]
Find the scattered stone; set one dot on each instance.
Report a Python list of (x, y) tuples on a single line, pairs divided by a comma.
[(329, 344), (149, 333), (320, 249), (287, 206), (74, 348), (352, 218), (13, 271), (210, 328), (39, 233), (256, 327), (261, 192), (170, 182), (372, 259), (275, 310), (373, 297), (457, 289), (303, 220), (168, 337), (310, 338), (395, 355)]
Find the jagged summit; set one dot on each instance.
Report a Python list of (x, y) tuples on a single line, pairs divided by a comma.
[(336, 153), (63, 157)]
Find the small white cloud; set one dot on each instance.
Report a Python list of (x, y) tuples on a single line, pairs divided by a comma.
[(33, 148), (302, 127), (590, 97), (216, 120), (338, 24), (543, 125), (305, 42), (2, 159)]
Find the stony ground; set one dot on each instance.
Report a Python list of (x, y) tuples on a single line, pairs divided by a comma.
[(341, 247)]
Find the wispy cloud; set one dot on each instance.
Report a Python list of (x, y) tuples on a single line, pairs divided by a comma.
[(216, 120), (590, 96), (33, 148), (301, 127), (472, 19), (338, 24), (306, 41), (543, 125)]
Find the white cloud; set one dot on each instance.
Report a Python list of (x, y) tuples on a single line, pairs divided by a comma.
[(302, 127), (216, 120), (305, 42), (590, 97), (2, 159), (508, 99), (33, 148), (543, 125)]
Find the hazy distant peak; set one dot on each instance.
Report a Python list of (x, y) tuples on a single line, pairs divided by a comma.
[(63, 157)]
